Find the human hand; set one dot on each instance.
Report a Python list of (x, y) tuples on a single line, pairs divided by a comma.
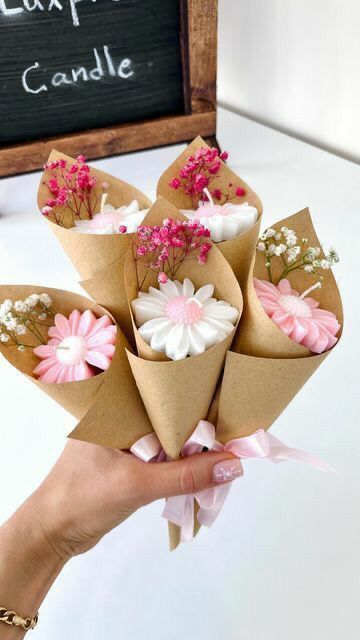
[(92, 489), (89, 491)]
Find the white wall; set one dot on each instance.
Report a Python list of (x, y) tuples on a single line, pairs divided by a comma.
[(295, 65)]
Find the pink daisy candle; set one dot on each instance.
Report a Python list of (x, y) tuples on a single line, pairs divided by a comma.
[(79, 347), (298, 316)]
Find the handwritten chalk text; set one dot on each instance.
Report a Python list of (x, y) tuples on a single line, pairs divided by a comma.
[(43, 5), (105, 65)]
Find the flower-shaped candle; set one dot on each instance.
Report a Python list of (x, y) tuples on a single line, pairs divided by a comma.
[(125, 219), (298, 316), (224, 221), (176, 320), (80, 347)]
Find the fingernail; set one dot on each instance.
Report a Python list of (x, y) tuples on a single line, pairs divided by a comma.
[(227, 470)]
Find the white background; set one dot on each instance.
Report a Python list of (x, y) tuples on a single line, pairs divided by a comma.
[(294, 64), (282, 561)]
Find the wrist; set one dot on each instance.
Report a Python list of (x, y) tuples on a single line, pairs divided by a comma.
[(29, 563)]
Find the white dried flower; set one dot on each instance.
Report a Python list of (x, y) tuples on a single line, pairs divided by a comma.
[(292, 254), (261, 247), (32, 300), (21, 307), (42, 316), (270, 233), (324, 264), (21, 330), (271, 250), (333, 256), (291, 239), (5, 308), (278, 236), (312, 253), (4, 337), (263, 236), (46, 300), (308, 268), (11, 324), (280, 249)]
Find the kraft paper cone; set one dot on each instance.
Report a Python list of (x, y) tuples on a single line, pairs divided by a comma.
[(96, 257), (108, 289), (108, 405), (257, 334), (238, 251), (178, 394), (89, 253), (265, 368)]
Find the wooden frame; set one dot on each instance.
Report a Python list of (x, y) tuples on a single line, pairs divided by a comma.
[(199, 55)]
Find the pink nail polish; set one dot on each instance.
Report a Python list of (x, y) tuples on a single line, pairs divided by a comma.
[(227, 470)]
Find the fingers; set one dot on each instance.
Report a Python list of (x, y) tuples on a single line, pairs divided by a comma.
[(192, 474)]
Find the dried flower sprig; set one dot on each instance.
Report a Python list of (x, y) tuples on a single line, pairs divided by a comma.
[(71, 189), (17, 319), (199, 173), (294, 254), (164, 249)]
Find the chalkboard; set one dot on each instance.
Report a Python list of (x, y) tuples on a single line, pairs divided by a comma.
[(103, 76), (88, 64)]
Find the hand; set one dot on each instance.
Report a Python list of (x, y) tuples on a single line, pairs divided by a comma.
[(89, 491), (92, 489)]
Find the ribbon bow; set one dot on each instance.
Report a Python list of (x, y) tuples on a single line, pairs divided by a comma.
[(181, 509)]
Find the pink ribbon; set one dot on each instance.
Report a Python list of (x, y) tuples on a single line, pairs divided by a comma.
[(181, 509)]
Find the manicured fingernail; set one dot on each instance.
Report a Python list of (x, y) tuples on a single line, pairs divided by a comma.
[(227, 470)]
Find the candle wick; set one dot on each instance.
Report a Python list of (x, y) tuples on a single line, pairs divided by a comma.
[(103, 202), (208, 194), (193, 299), (317, 285)]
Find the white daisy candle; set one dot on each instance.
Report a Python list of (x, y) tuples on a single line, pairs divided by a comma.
[(224, 221), (125, 219), (180, 322)]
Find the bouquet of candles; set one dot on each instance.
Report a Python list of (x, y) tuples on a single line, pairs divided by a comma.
[(201, 330)]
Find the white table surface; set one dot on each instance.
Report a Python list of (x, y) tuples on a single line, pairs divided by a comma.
[(282, 561)]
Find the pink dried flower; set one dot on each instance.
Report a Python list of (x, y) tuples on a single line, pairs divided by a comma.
[(122, 228), (165, 248), (162, 278), (240, 191), (53, 186), (73, 188), (224, 156), (217, 194), (198, 172)]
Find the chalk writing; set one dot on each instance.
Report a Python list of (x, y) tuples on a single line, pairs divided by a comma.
[(105, 65), (44, 5)]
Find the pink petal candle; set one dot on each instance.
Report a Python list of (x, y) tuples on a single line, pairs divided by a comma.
[(224, 221), (298, 316), (80, 347)]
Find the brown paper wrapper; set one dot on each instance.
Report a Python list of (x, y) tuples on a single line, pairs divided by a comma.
[(265, 368), (99, 258), (178, 394), (108, 405), (239, 250)]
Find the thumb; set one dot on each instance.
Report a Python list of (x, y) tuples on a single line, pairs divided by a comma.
[(189, 475)]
